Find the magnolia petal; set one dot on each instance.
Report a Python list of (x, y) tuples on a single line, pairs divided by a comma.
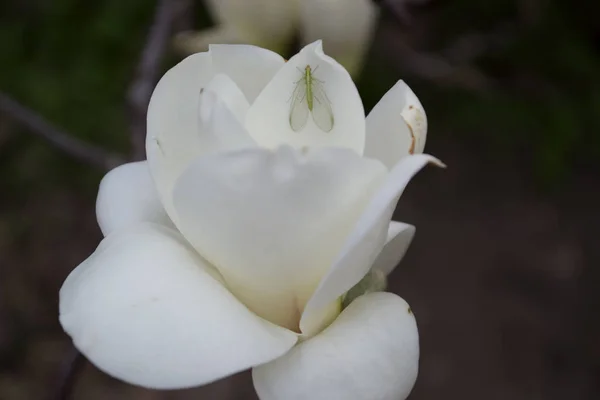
[(273, 222), (371, 351), (345, 26), (221, 110), (176, 134), (278, 20), (127, 196), (396, 127), (367, 239), (399, 237), (186, 119), (173, 136), (268, 120), (250, 67), (222, 87), (144, 308)]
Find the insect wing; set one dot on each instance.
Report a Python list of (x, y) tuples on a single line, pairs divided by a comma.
[(299, 107), (321, 112)]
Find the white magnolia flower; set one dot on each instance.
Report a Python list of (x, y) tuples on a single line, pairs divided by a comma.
[(234, 244), (345, 26)]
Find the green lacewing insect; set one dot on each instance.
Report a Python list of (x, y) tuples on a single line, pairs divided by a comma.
[(309, 96)]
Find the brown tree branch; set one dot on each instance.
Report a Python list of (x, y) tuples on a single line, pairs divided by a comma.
[(148, 69), (434, 67), (74, 147), (454, 65), (70, 370)]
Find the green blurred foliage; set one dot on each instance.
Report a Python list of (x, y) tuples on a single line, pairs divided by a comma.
[(71, 61)]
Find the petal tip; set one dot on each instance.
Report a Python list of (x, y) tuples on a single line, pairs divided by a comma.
[(316, 46), (438, 163)]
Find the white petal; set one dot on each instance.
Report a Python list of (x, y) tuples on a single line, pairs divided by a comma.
[(366, 240), (176, 135), (250, 67), (173, 136), (127, 196), (399, 237), (345, 26), (221, 110), (371, 352), (273, 222), (396, 127), (146, 309), (268, 119), (185, 120), (223, 88)]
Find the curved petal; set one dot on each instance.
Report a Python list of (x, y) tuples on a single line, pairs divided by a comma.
[(399, 237), (221, 110), (190, 116), (127, 196), (370, 352), (222, 87), (396, 127), (250, 67), (268, 119), (176, 134), (173, 136), (273, 222), (345, 26), (146, 309), (367, 239)]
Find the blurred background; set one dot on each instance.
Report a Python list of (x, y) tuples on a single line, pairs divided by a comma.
[(503, 274)]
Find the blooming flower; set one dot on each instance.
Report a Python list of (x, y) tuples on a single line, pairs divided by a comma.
[(240, 242), (345, 26)]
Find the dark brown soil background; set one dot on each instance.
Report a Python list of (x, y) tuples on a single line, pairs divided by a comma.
[(503, 275)]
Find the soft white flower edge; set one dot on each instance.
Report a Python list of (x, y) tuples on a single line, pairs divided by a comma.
[(127, 196), (399, 238), (366, 240), (371, 351), (396, 126), (146, 309), (176, 133), (273, 221)]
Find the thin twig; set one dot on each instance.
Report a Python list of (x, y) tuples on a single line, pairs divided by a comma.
[(76, 148), (71, 369), (148, 69), (452, 66), (433, 67), (469, 47)]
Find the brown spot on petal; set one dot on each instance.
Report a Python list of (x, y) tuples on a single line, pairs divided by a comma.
[(411, 107), (409, 310), (411, 150)]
